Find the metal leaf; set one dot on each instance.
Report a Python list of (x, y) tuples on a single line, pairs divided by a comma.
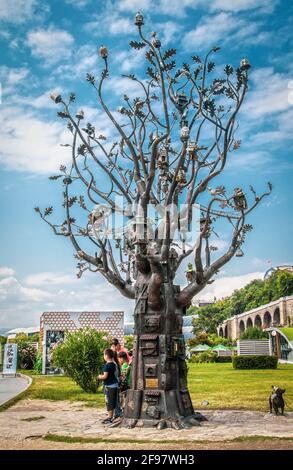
[(137, 45)]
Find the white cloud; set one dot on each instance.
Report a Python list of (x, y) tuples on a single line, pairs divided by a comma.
[(23, 301), (210, 30), (12, 78), (130, 60), (172, 8), (17, 11), (223, 28), (134, 5), (249, 160), (40, 102), (241, 5), (269, 93), (10, 287), (78, 3), (178, 8), (84, 60), (29, 143), (168, 31), (123, 85), (5, 271), (51, 45), (224, 286), (48, 279), (110, 22)]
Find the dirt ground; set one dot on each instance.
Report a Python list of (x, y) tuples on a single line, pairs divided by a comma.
[(28, 422)]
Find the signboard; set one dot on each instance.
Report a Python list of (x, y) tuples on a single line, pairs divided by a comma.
[(10, 358), (151, 383)]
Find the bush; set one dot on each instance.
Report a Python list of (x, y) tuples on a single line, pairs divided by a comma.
[(128, 342), (26, 352), (255, 362), (224, 359), (210, 339), (81, 357), (206, 356), (38, 364), (253, 332)]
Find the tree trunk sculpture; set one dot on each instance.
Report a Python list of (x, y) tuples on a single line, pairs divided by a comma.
[(173, 141)]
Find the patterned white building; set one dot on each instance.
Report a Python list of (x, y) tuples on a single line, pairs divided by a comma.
[(54, 324)]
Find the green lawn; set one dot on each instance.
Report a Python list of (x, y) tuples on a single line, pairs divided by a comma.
[(288, 331), (220, 384), (62, 388), (225, 387)]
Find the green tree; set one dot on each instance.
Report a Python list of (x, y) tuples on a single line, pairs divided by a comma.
[(258, 292), (128, 342), (81, 356), (26, 352), (253, 332), (3, 339)]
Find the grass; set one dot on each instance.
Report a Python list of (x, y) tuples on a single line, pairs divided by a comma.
[(98, 440), (220, 384), (46, 387), (33, 418), (287, 332), (227, 388)]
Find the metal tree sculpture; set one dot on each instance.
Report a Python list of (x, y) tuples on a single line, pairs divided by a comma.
[(173, 142)]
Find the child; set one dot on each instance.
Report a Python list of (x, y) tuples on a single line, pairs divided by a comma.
[(110, 378), (117, 412), (125, 376)]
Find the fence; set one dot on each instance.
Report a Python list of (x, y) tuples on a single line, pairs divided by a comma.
[(261, 347)]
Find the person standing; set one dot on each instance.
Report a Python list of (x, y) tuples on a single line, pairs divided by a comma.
[(110, 379), (117, 346), (117, 412)]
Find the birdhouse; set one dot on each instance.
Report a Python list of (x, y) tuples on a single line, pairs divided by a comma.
[(156, 42), (182, 101), (184, 133), (244, 64), (165, 187), (181, 177), (173, 253), (103, 52), (80, 114), (67, 180), (138, 19), (162, 158), (239, 253), (191, 150), (56, 98), (239, 199), (203, 221)]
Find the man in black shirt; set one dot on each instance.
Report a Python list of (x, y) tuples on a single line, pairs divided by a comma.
[(110, 379)]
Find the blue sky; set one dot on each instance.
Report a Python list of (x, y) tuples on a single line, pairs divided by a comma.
[(50, 46)]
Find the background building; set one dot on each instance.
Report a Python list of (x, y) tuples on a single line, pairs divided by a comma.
[(54, 324), (30, 331)]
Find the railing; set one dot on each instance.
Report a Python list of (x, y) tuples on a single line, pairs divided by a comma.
[(261, 347)]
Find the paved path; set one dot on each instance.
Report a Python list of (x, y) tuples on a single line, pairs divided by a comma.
[(11, 386)]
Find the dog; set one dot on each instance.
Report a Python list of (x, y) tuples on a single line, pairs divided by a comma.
[(276, 400)]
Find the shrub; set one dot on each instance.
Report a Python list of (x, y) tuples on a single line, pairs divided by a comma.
[(206, 356), (81, 357), (38, 364), (224, 359), (26, 352), (255, 362), (253, 332), (128, 342)]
